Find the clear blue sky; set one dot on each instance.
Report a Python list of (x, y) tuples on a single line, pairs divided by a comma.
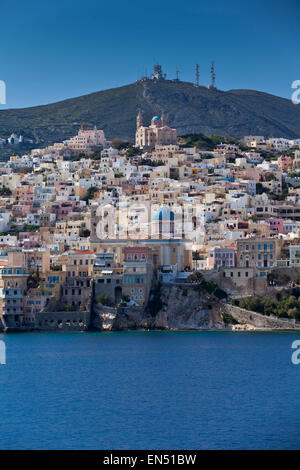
[(52, 50)]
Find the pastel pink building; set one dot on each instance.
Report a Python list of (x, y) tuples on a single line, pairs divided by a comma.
[(61, 209), (135, 253), (276, 225), (284, 162), (20, 210), (29, 239), (24, 195)]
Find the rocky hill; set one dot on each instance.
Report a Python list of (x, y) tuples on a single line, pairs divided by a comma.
[(188, 108)]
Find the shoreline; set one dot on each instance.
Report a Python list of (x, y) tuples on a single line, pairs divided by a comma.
[(157, 330)]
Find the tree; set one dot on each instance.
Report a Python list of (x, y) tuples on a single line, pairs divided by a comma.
[(84, 232), (5, 192), (104, 300), (118, 143), (260, 189), (133, 151), (196, 277), (90, 193), (149, 162)]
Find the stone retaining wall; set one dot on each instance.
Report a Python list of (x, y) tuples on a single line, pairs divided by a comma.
[(66, 321), (244, 316)]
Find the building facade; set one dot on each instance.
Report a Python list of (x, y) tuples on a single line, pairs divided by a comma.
[(158, 133)]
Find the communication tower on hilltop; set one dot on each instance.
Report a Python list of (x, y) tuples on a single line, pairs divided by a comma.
[(197, 75), (157, 73), (213, 75)]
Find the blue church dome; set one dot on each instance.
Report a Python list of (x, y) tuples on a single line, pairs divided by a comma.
[(163, 214), (156, 118)]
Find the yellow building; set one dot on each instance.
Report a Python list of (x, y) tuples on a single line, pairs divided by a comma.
[(13, 287)]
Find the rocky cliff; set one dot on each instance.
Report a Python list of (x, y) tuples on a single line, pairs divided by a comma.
[(175, 308), (185, 307)]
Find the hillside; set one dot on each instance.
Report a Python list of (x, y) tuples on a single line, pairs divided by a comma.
[(188, 108)]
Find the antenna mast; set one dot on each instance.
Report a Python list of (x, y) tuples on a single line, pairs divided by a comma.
[(212, 73), (197, 75)]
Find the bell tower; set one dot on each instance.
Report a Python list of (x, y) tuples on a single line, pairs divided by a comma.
[(139, 120)]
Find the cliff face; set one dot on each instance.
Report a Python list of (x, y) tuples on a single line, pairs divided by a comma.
[(185, 308), (180, 308)]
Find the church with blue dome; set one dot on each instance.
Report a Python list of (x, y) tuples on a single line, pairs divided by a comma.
[(158, 133), (163, 223), (164, 214)]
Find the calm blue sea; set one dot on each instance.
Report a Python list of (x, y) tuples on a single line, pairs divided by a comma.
[(149, 390)]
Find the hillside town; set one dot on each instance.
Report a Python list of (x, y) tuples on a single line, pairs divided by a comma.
[(90, 225)]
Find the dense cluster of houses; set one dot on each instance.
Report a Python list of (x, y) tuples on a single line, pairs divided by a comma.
[(84, 219)]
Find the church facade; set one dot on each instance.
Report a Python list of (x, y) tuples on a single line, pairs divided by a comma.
[(158, 133)]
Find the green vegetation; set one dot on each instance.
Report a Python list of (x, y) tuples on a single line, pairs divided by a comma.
[(133, 151), (201, 285), (84, 232), (90, 193), (95, 155), (196, 277), (260, 189), (104, 300), (65, 308), (285, 304), (56, 267), (206, 142), (228, 319), (5, 192), (30, 228), (26, 228), (281, 278), (149, 162), (119, 144)]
